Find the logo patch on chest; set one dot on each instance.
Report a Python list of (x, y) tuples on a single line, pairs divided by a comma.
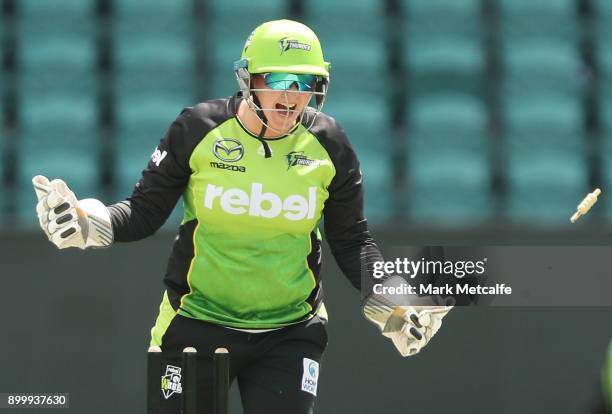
[(298, 158), (228, 149), (259, 203)]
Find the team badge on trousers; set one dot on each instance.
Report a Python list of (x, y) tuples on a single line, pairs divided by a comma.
[(171, 381)]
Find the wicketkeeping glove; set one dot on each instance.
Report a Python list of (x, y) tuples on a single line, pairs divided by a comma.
[(69, 222), (409, 327)]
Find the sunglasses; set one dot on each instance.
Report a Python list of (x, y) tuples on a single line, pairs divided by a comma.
[(284, 81)]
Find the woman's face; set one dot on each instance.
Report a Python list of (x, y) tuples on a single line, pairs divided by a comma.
[(280, 119)]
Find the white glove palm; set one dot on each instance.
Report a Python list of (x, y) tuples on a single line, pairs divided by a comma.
[(68, 222)]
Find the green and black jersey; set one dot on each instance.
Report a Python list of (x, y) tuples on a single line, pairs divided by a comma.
[(248, 252)]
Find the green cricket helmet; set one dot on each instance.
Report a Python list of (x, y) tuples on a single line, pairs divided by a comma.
[(284, 46), (285, 52)]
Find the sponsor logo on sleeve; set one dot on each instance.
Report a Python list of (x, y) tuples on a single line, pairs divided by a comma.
[(158, 156)]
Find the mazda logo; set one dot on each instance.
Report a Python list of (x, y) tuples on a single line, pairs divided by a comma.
[(228, 149)]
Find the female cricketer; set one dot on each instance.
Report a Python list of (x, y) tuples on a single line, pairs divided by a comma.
[(256, 172)]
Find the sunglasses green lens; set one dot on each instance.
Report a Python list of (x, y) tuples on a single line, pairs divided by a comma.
[(285, 81)]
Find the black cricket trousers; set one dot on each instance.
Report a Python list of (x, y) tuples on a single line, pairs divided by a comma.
[(277, 371)]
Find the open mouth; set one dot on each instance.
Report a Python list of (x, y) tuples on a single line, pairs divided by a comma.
[(284, 109)]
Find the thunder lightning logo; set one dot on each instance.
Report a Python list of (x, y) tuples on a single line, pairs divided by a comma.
[(171, 382), (298, 158), (285, 44)]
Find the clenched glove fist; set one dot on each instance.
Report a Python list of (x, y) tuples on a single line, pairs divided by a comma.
[(69, 222), (411, 326)]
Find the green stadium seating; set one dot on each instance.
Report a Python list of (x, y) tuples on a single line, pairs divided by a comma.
[(365, 18), (443, 65), (56, 86), (366, 121), (546, 159), (547, 123), (365, 10), (275, 9), (381, 200), (603, 24), (459, 11), (541, 68), (177, 9), (3, 204), (606, 148), (60, 134), (58, 138), (57, 63), (361, 114), (439, 44), (545, 146), (448, 123), (544, 191), (156, 50), (154, 62), (365, 118), (602, 10), (448, 160), (141, 123), (442, 18), (230, 24), (442, 47), (357, 63), (65, 9), (56, 46), (606, 179), (352, 35), (526, 20), (138, 18), (604, 54), (605, 110), (223, 82), (4, 138), (449, 191), (154, 46), (41, 18)]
